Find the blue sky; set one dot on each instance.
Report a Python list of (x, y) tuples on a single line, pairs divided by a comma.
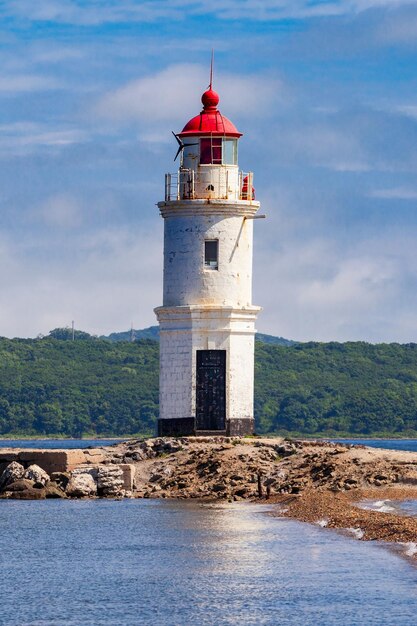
[(326, 96)]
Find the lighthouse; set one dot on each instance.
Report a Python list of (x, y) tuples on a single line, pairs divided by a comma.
[(207, 320)]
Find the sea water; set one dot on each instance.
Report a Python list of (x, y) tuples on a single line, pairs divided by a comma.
[(53, 444), (390, 444), (409, 445), (154, 562)]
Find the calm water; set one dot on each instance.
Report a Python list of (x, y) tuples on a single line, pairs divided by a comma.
[(56, 443), (110, 563), (387, 444), (391, 444)]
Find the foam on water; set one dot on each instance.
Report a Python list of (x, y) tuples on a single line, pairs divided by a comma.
[(381, 506), (322, 523), (358, 533), (410, 548)]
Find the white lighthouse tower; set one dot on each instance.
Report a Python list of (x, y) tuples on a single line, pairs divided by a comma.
[(207, 320)]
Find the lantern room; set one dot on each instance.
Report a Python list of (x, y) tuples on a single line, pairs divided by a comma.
[(208, 151)]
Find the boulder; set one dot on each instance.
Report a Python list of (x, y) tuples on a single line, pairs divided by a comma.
[(52, 490), (81, 485), (14, 471), (23, 489), (37, 474), (110, 481), (61, 479), (21, 484)]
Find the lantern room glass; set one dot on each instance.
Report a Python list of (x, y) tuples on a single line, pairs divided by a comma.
[(218, 151)]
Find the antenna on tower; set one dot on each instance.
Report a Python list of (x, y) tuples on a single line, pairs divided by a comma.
[(73, 330), (211, 69), (132, 333)]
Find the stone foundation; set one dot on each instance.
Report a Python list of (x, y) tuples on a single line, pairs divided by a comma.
[(51, 460), (185, 427)]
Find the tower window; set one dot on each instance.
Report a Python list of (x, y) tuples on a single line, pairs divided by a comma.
[(211, 150), (230, 151), (218, 151), (211, 254)]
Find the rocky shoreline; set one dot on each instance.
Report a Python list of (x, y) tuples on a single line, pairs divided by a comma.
[(315, 482)]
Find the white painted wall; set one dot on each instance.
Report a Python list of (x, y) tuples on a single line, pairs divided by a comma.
[(183, 331), (207, 309), (187, 280)]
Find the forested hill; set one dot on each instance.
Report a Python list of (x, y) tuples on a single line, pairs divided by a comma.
[(94, 386), (153, 333)]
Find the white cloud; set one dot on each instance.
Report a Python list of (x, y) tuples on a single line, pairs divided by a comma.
[(114, 11), (27, 83), (61, 210), (173, 94), (315, 284), (103, 281), (22, 137), (395, 193), (409, 110), (326, 146)]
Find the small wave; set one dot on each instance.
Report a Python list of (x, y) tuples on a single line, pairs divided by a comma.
[(410, 548), (381, 506), (358, 533), (322, 523)]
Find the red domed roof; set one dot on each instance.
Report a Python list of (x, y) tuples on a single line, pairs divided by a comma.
[(210, 121)]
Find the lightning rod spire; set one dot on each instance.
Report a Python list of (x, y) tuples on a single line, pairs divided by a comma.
[(211, 69)]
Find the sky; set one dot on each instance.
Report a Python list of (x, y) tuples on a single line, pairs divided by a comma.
[(325, 93)]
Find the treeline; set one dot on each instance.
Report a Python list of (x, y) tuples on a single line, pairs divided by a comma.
[(91, 386), (88, 386), (337, 388)]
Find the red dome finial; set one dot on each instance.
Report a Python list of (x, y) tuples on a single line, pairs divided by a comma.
[(210, 99)]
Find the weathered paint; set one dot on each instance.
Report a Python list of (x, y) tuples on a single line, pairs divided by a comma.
[(203, 308)]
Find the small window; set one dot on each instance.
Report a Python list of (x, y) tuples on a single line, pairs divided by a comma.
[(230, 151), (211, 150), (211, 254)]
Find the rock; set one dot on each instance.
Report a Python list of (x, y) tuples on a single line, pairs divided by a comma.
[(12, 472), (81, 485), (285, 449), (37, 474), (110, 481), (52, 490), (21, 484), (61, 479), (23, 489)]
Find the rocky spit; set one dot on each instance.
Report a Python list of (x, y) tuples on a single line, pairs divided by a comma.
[(316, 482)]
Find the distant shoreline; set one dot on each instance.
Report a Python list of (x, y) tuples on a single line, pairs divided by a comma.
[(150, 436)]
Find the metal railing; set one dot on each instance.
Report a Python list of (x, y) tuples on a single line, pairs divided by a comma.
[(219, 183)]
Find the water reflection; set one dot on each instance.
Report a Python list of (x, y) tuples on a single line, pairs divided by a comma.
[(165, 563)]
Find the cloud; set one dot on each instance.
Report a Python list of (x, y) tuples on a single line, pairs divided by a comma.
[(23, 138), (400, 26), (395, 193), (325, 145), (62, 211), (172, 94), (127, 11), (27, 83), (103, 280), (316, 289)]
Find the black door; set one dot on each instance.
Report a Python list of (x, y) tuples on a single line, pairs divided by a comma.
[(211, 390)]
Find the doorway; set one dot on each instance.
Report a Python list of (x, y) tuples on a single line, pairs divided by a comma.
[(211, 390)]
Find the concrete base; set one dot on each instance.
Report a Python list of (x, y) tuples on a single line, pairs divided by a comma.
[(240, 427), (185, 427), (176, 427)]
